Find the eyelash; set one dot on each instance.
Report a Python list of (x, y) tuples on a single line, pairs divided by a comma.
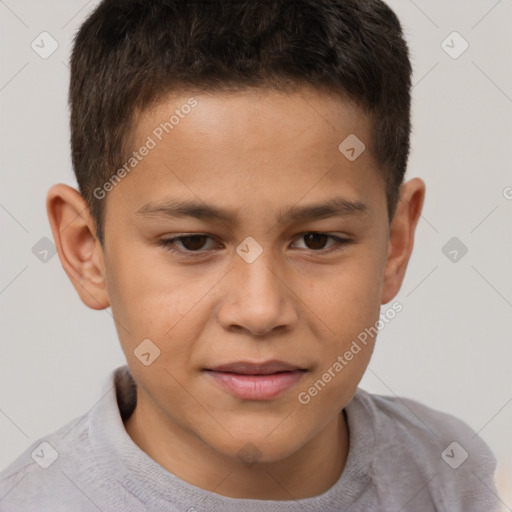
[(168, 243)]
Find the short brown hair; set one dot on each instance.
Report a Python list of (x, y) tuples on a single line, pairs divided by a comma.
[(130, 53)]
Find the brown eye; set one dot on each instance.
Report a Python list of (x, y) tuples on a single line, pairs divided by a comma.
[(316, 241), (193, 243), (186, 244)]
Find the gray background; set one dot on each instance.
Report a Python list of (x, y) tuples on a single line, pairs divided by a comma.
[(450, 346)]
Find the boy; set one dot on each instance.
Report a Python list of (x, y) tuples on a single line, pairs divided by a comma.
[(248, 128)]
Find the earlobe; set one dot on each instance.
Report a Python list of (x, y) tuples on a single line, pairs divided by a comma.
[(79, 251), (401, 238)]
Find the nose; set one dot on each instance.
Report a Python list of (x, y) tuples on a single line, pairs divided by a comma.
[(258, 298)]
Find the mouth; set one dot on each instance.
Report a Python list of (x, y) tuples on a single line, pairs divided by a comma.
[(256, 381)]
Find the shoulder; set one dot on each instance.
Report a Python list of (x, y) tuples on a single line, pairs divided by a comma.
[(43, 474), (75, 467), (426, 425), (440, 450), (411, 413)]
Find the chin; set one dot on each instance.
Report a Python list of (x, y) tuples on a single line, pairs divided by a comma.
[(251, 450)]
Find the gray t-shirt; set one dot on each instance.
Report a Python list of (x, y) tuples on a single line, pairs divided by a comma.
[(403, 457)]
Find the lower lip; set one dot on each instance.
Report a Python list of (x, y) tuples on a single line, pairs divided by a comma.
[(256, 387)]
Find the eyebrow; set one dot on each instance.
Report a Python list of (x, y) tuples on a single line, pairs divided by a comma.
[(335, 207)]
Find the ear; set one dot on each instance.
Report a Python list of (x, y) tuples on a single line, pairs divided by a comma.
[(401, 237), (80, 252)]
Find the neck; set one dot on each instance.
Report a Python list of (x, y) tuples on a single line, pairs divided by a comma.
[(309, 471)]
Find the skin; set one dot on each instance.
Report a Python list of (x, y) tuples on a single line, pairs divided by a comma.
[(256, 153)]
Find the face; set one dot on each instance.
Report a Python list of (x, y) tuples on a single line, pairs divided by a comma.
[(268, 279)]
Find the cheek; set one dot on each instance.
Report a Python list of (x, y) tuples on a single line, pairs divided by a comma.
[(158, 302), (145, 299), (347, 298), (348, 303)]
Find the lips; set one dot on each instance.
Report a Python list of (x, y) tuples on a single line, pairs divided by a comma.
[(256, 381), (250, 368)]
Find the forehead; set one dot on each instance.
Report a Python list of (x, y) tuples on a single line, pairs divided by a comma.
[(220, 118), (251, 148)]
